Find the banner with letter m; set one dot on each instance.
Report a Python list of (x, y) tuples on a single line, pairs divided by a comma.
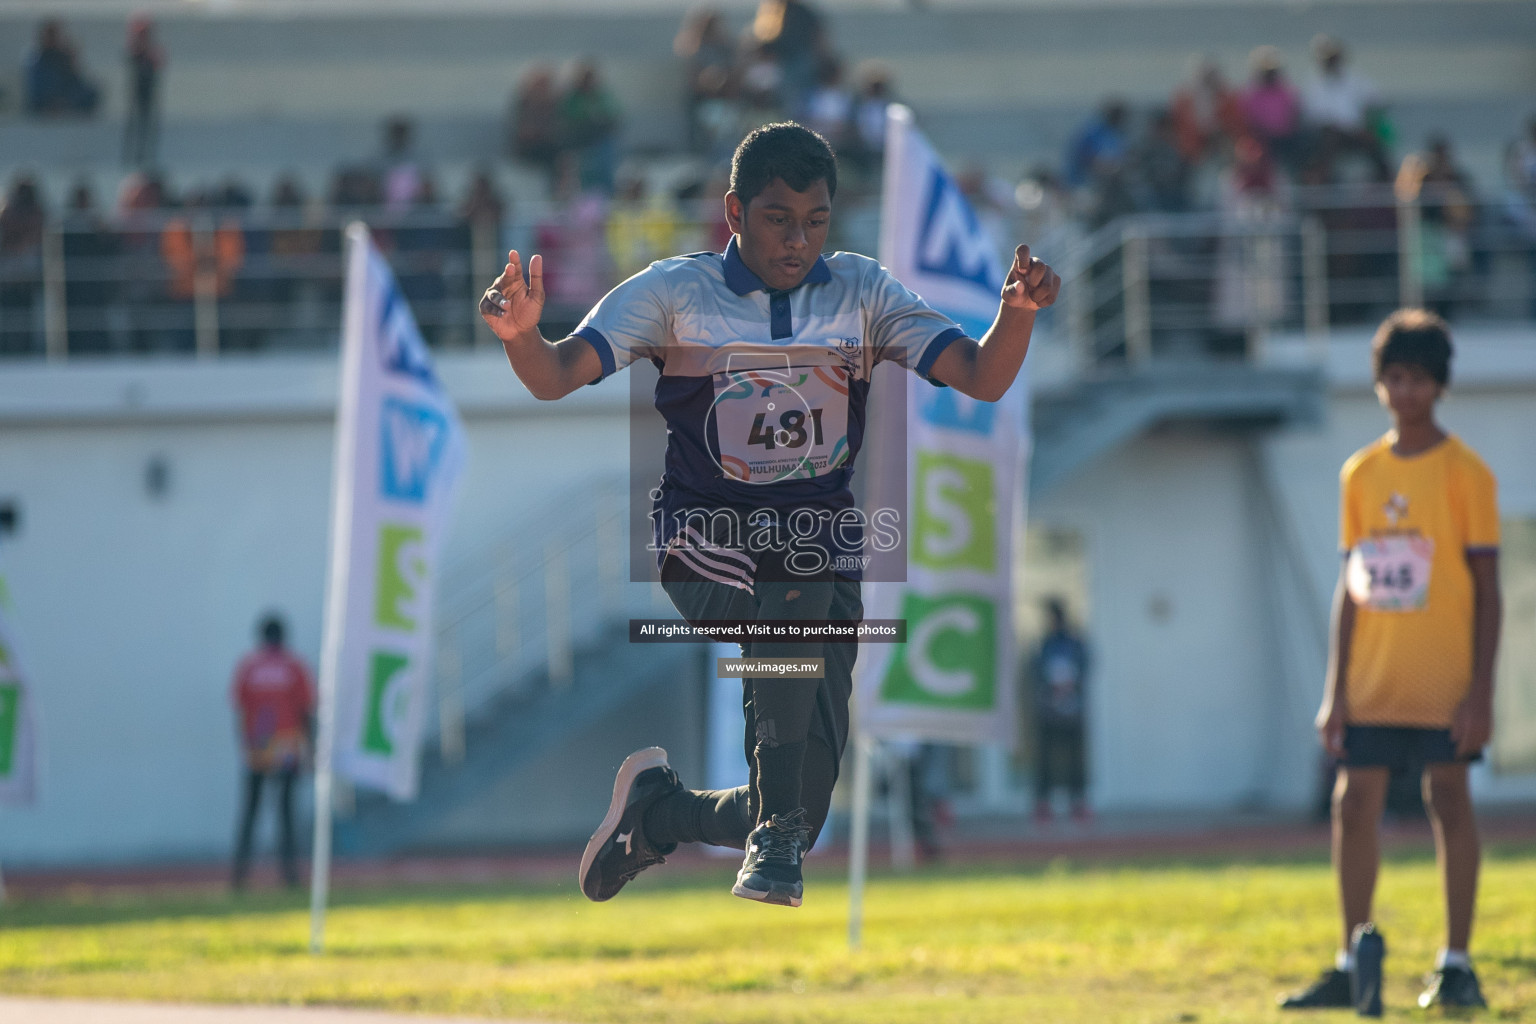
[(399, 454), (954, 679)]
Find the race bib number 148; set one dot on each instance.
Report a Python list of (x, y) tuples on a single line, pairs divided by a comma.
[(1390, 574)]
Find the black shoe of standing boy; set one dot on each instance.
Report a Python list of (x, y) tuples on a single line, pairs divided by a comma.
[(1365, 981), (1330, 991)]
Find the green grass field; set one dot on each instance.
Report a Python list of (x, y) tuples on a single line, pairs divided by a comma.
[(1156, 943)]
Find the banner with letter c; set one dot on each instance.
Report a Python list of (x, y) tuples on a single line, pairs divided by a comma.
[(954, 679), (399, 454)]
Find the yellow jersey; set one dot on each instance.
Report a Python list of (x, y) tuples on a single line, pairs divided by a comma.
[(1406, 527)]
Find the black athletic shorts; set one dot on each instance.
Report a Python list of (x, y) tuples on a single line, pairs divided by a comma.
[(701, 599), (1400, 748)]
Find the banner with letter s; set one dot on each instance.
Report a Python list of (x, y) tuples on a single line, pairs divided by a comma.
[(954, 679), (399, 453)]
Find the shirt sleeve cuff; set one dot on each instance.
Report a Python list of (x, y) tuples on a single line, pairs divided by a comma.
[(594, 337), (1482, 549), (935, 349)]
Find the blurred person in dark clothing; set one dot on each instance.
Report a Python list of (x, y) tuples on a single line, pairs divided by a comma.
[(55, 85), (533, 123), (589, 121), (22, 221), (146, 62), (90, 288), (1059, 672), (709, 99), (1447, 215), (1101, 142), (1159, 168), (792, 32), (275, 699)]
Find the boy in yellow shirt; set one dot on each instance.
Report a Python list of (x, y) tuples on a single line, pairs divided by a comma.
[(1410, 676)]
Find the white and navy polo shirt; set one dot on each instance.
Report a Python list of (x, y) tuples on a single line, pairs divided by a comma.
[(763, 392)]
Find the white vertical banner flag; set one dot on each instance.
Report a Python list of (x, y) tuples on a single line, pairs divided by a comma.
[(18, 732), (399, 452), (953, 680)]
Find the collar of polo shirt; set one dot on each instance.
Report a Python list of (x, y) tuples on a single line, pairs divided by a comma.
[(740, 279)]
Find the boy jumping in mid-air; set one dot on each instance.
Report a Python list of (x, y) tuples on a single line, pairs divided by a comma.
[(1410, 676), (765, 352)]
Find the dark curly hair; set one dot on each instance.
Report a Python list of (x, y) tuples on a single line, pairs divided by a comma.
[(1415, 337), (784, 150)]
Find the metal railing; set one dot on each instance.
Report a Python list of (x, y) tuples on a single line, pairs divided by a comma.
[(511, 617), (206, 282), (1214, 284)]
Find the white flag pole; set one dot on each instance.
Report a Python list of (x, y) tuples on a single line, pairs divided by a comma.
[(858, 840), (336, 587)]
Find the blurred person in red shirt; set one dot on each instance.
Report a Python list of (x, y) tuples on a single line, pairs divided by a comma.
[(275, 697)]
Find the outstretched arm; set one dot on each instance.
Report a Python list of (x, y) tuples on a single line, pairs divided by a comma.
[(986, 369), (1335, 708), (512, 307)]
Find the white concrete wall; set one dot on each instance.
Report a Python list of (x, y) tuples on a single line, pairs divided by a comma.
[(133, 610)]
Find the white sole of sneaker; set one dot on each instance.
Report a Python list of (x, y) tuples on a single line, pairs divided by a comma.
[(779, 895), (634, 764)]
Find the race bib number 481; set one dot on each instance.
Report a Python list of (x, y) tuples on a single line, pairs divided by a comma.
[(1390, 574), (785, 424)]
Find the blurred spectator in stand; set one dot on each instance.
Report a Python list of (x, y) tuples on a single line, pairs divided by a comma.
[(829, 107), (203, 249), (1207, 114), (356, 188), (573, 240), (424, 246), (710, 91), (1158, 169), (401, 171), (1271, 108), (1447, 212), (791, 31), (1100, 143), (1519, 206), (866, 143), (1343, 107), (22, 221), (483, 203), (54, 82), (274, 695), (141, 200), (641, 229), (1251, 280), (1059, 674), (146, 62), (533, 128), (89, 288), (760, 86), (293, 242), (589, 119)]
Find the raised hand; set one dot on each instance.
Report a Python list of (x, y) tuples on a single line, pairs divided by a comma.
[(511, 306), (1031, 284)]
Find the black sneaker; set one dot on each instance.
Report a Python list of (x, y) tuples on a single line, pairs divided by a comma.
[(1365, 981), (1455, 987), (1331, 989), (618, 850), (770, 873)]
